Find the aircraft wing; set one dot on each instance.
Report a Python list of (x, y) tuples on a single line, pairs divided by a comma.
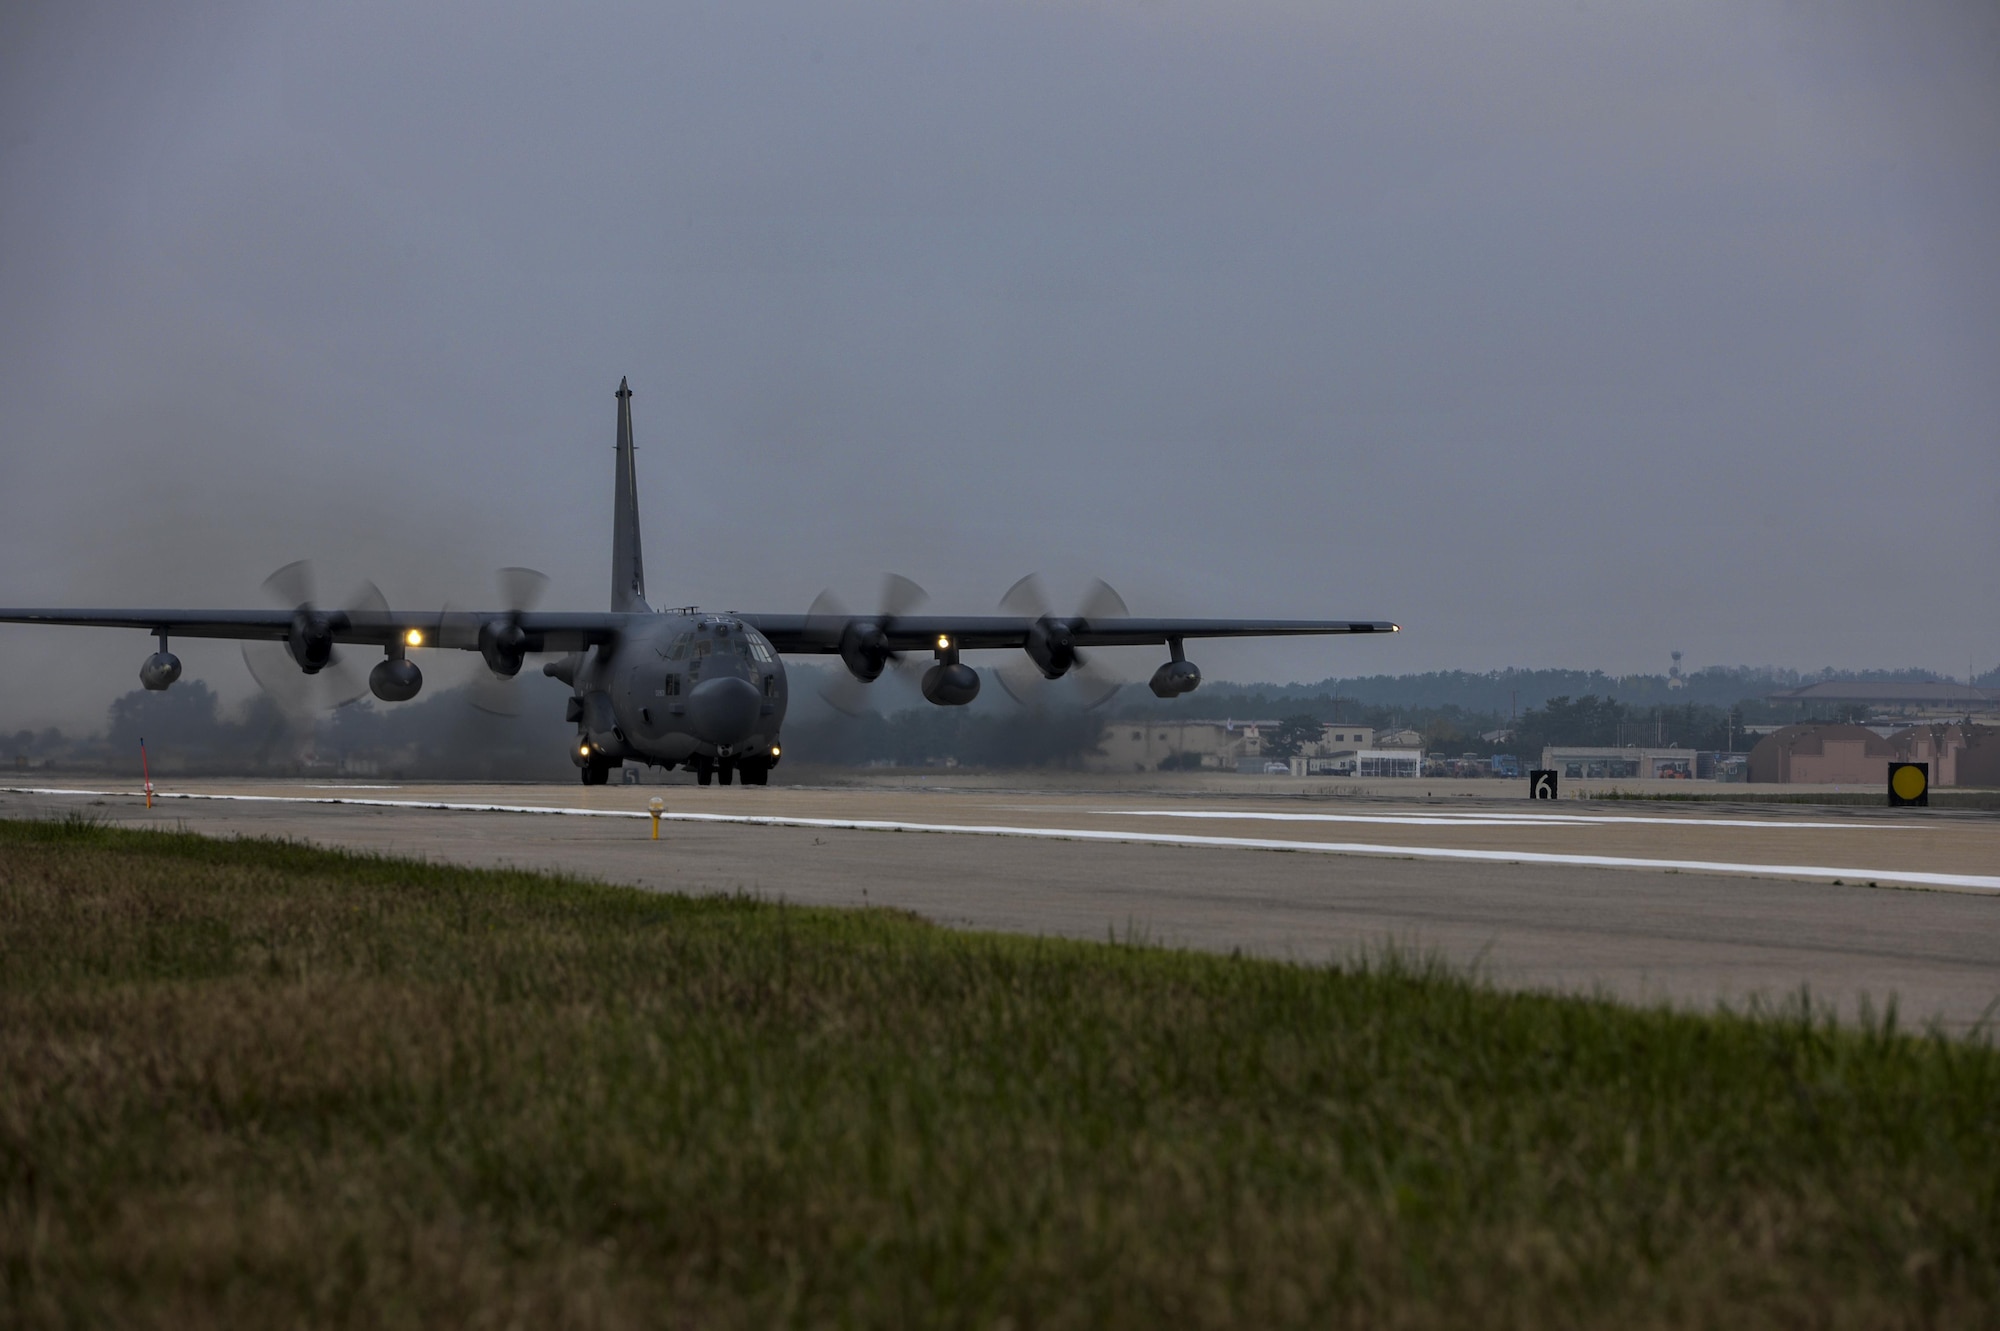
[(249, 624), (547, 632), (572, 632), (803, 634)]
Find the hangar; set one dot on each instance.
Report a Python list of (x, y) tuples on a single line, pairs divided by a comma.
[(1940, 698), (1959, 754)]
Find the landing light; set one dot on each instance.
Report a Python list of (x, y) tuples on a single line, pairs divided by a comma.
[(774, 750), (583, 750), (415, 637), (944, 641)]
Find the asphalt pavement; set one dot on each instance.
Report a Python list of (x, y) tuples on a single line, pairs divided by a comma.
[(1647, 903)]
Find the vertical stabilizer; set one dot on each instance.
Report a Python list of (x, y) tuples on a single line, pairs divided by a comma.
[(628, 568)]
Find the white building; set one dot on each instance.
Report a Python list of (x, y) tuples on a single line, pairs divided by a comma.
[(1621, 764), (1225, 745), (1363, 762)]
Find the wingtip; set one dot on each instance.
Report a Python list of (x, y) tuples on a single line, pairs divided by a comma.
[(624, 388)]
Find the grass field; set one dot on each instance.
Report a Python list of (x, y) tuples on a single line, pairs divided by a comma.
[(244, 1083)]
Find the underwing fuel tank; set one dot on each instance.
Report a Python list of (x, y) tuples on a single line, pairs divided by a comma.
[(952, 684), (1175, 678), (395, 680), (159, 670)]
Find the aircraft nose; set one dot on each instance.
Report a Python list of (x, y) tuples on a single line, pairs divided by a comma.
[(723, 711)]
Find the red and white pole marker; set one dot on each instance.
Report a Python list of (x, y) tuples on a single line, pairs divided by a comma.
[(147, 772)]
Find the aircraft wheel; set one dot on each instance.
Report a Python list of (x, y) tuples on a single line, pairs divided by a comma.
[(725, 772), (704, 770), (596, 774), (756, 774)]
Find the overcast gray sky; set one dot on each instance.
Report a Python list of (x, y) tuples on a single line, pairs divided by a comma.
[(1566, 334)]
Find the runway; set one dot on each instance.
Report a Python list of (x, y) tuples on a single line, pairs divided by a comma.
[(1646, 902)]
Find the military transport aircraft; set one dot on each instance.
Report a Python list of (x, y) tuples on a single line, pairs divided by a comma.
[(684, 687)]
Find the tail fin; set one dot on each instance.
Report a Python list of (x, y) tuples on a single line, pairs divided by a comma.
[(628, 568)]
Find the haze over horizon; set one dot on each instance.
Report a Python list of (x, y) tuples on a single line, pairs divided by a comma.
[(1566, 336)]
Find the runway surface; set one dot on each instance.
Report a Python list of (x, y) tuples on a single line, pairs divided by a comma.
[(1643, 901)]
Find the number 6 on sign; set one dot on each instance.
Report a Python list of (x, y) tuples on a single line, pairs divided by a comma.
[(1542, 784)]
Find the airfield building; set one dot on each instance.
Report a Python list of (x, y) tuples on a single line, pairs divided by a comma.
[(1933, 698), (1227, 745), (1634, 764), (1959, 754), (1377, 762)]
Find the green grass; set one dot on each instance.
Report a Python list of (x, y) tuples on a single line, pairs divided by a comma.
[(247, 1083)]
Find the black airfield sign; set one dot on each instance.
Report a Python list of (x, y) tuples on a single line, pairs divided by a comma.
[(1542, 784), (1909, 785)]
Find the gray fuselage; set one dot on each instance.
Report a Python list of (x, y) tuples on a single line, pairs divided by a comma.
[(682, 689)]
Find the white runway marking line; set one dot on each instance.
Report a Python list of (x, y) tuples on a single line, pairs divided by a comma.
[(1855, 877), (1483, 818)]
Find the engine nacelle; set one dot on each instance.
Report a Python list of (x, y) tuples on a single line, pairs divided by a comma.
[(395, 680), (864, 650), (310, 642), (504, 646), (952, 685), (1052, 647), (159, 670), (1175, 678)]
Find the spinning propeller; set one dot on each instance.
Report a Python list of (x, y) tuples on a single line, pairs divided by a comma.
[(307, 672), (1052, 652), (503, 644), (863, 641)]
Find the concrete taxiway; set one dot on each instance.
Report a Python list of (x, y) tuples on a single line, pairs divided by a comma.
[(1647, 902)]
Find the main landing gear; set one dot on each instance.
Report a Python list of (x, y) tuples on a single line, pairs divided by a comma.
[(709, 770), (596, 772)]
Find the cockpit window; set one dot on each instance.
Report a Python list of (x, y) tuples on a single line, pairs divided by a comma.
[(760, 650), (743, 648), (679, 651), (703, 647)]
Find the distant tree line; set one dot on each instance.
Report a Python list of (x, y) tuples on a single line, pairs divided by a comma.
[(440, 736), (1504, 693), (1523, 711), (1604, 723), (1591, 720), (936, 735)]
